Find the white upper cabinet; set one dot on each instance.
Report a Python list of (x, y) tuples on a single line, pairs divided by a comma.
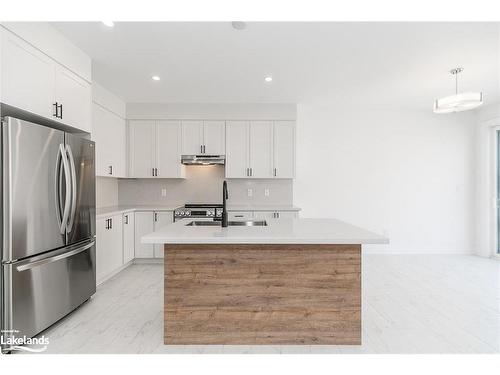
[(203, 137), (192, 137), (284, 149), (26, 76), (214, 137), (74, 97), (237, 149), (142, 148), (260, 149), (155, 149), (34, 82), (110, 135), (168, 150)]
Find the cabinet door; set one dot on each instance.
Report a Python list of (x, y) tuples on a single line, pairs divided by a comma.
[(192, 137), (261, 151), (102, 136), (214, 137), (284, 149), (118, 145), (143, 225), (116, 246), (264, 215), (109, 249), (75, 96), (287, 214), (27, 76), (103, 241), (168, 149), (236, 149), (128, 237), (240, 215), (142, 148), (162, 218)]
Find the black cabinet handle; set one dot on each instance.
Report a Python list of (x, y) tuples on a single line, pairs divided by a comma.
[(156, 216), (111, 170), (153, 172), (126, 219), (61, 112), (55, 109), (110, 223)]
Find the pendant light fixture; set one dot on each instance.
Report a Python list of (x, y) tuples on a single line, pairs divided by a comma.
[(458, 102)]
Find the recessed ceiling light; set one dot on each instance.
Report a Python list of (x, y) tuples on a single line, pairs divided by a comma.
[(239, 25), (155, 78), (268, 79), (108, 23)]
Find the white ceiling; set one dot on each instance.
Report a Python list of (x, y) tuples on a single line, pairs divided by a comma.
[(374, 64)]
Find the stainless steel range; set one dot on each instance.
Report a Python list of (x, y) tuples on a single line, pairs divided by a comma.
[(199, 211)]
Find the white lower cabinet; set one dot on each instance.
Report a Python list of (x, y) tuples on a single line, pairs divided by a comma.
[(275, 214), (128, 237), (161, 218), (109, 249), (144, 224), (147, 222)]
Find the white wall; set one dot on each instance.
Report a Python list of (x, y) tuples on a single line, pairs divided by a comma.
[(405, 174)]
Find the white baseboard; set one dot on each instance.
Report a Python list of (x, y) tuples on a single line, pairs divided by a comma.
[(148, 260), (118, 270)]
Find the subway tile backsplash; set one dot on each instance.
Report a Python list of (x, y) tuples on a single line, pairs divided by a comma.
[(203, 184)]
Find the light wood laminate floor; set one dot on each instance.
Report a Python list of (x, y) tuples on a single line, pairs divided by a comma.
[(411, 304)]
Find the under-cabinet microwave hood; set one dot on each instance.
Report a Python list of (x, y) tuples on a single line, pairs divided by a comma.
[(203, 159)]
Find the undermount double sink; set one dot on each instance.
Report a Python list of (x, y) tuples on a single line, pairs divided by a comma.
[(249, 223)]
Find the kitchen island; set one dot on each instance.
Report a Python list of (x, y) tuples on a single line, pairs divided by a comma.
[(292, 281)]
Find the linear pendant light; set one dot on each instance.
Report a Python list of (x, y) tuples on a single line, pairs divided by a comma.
[(458, 102)]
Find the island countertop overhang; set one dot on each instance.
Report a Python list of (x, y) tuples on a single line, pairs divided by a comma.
[(278, 231)]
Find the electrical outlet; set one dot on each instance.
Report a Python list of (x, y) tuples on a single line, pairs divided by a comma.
[(163, 192), (266, 192), (249, 192)]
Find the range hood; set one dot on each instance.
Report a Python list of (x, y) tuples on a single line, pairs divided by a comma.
[(203, 159)]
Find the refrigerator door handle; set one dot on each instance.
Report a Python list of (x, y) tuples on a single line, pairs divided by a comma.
[(69, 227), (72, 251), (58, 177), (68, 187)]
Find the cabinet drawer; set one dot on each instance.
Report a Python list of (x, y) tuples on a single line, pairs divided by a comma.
[(240, 215)]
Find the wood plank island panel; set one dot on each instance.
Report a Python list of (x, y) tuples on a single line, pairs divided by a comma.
[(249, 294)]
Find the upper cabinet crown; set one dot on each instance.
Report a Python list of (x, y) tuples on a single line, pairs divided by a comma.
[(155, 149), (260, 149), (203, 137), (32, 81)]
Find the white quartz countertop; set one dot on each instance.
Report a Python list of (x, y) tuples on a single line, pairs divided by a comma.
[(115, 210), (278, 231), (262, 207)]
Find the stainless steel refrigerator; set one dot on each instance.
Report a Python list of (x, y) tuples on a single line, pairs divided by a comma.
[(48, 221)]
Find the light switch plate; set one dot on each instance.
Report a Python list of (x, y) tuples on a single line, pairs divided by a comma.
[(163, 192), (249, 192), (266, 192)]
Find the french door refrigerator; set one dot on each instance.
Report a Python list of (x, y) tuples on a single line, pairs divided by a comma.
[(48, 221)]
